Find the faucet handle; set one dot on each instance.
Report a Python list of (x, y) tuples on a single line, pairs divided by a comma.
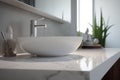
[(34, 22), (41, 18)]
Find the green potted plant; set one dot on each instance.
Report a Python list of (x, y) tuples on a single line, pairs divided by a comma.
[(100, 30)]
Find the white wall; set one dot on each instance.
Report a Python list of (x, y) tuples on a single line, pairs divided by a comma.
[(111, 10)]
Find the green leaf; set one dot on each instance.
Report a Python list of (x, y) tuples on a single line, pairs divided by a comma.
[(100, 29)]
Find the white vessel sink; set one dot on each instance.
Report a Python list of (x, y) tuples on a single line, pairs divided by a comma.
[(50, 46)]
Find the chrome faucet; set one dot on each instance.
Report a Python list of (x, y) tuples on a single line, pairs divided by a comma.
[(33, 27)]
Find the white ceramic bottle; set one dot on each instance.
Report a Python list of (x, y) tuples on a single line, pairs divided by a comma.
[(9, 32)]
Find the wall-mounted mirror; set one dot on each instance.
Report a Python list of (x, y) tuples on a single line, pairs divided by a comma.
[(29, 2), (57, 8)]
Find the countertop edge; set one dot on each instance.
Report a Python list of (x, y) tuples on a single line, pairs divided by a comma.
[(102, 69)]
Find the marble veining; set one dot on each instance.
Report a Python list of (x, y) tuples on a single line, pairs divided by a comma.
[(84, 64)]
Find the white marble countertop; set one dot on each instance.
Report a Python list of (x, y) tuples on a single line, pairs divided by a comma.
[(90, 61)]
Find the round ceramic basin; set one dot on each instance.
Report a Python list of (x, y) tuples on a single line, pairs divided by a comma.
[(50, 46)]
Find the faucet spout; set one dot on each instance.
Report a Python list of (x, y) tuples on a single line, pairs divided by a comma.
[(41, 25), (33, 27)]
